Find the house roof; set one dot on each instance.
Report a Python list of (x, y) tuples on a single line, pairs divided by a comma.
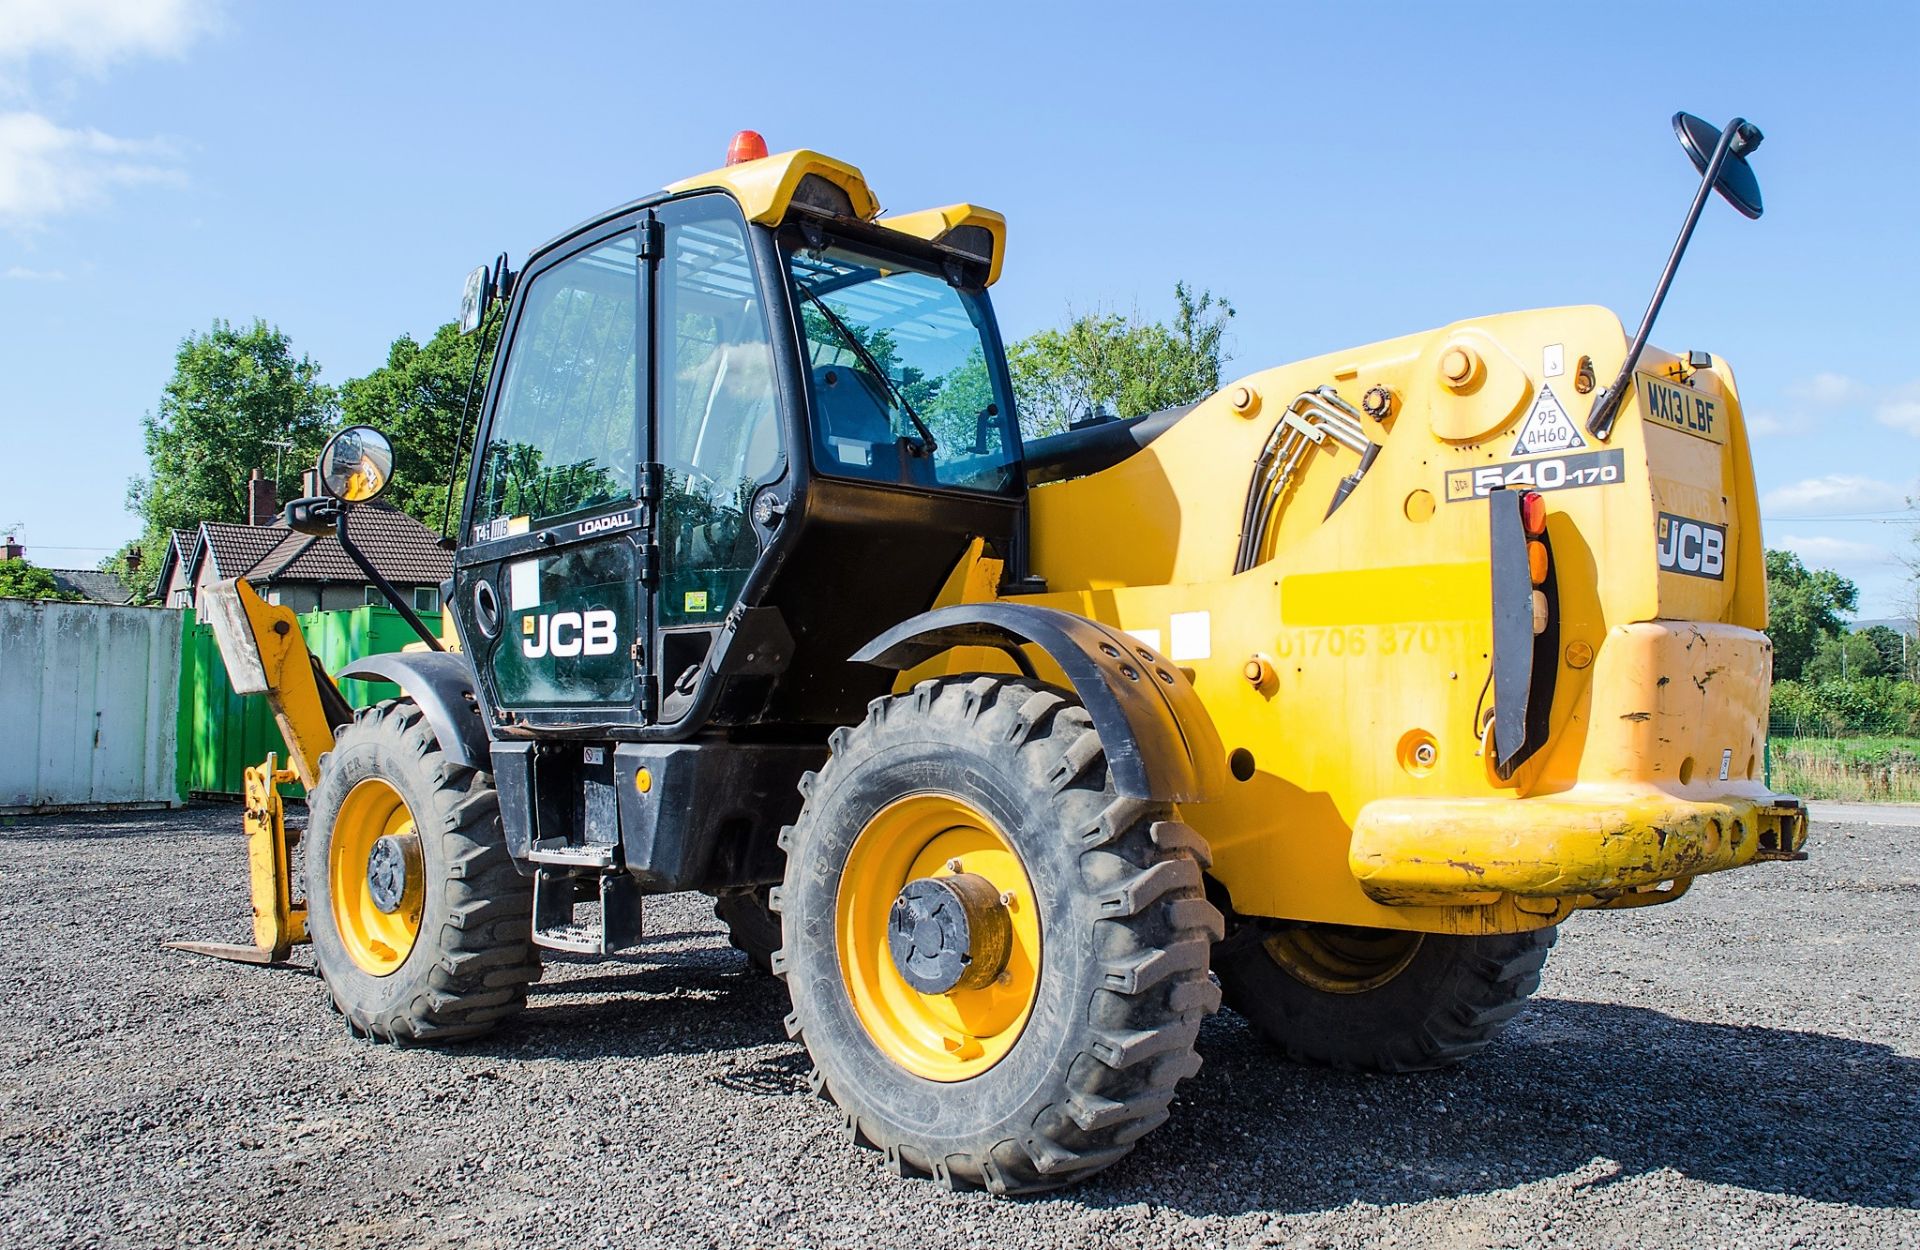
[(235, 549), (405, 551), (93, 585)]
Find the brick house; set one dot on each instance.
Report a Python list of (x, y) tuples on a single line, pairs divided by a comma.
[(306, 571)]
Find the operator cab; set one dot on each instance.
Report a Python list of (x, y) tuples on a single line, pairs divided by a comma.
[(732, 432)]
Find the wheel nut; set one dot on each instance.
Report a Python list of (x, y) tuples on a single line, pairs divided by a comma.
[(953, 865), (1006, 898)]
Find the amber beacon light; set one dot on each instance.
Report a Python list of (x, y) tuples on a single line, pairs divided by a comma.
[(748, 145)]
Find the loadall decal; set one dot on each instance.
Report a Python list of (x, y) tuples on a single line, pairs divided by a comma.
[(1695, 548), (1592, 468)]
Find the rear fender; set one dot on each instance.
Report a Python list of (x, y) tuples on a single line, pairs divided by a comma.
[(1159, 741)]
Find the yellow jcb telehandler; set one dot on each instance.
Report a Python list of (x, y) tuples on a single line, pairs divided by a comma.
[(1345, 684)]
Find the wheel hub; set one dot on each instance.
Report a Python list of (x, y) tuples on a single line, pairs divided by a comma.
[(393, 870), (949, 933)]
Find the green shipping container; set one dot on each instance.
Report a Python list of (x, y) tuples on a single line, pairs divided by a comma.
[(222, 734)]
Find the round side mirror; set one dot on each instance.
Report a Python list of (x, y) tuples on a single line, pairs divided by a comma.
[(356, 464), (1736, 183), (474, 300)]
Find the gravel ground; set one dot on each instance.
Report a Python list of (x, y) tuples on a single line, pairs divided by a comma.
[(1741, 1068)]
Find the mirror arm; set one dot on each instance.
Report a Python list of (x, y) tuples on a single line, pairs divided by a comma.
[(1606, 404), (447, 538), (386, 587)]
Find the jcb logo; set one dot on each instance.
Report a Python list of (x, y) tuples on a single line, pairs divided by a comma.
[(1696, 548), (564, 634)]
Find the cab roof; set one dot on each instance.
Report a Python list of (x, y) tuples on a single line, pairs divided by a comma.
[(772, 188)]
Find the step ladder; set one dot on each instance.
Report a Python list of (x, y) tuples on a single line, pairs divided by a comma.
[(568, 876)]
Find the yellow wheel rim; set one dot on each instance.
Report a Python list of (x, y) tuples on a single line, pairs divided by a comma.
[(962, 1033), (1340, 959), (378, 940)]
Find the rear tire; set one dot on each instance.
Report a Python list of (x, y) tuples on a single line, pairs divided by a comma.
[(1385, 1001), (465, 921), (1112, 965), (752, 928)]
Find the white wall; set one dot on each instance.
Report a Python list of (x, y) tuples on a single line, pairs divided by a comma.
[(89, 698)]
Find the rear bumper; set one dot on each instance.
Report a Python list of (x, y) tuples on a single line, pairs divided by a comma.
[(1596, 841)]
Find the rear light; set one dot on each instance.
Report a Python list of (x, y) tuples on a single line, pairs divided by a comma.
[(1539, 612), (746, 146), (1537, 561), (1533, 516)]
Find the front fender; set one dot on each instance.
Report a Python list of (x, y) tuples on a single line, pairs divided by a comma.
[(441, 683), (1160, 742)]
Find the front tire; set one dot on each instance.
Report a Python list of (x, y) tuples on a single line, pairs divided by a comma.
[(421, 926), (1051, 1061), (1379, 1000)]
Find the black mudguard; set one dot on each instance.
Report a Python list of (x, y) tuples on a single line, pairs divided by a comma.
[(1159, 740), (441, 683)]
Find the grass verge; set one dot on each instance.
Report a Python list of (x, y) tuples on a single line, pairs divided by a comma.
[(1863, 770)]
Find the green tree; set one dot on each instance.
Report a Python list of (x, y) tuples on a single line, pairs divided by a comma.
[(415, 399), (138, 573), (234, 394), (1892, 648), (1846, 657), (1104, 362), (20, 580), (1803, 606)]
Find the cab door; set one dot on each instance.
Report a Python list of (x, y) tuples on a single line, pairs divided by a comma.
[(717, 432), (549, 582)]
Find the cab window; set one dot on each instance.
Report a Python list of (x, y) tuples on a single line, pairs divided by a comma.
[(898, 357), (719, 424), (565, 434)]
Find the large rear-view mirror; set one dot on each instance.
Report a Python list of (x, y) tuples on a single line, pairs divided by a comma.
[(1736, 181), (474, 300)]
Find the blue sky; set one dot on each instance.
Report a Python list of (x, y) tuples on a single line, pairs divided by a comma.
[(1341, 173)]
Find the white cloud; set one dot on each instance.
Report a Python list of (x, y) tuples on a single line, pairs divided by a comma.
[(1900, 410), (1829, 390), (95, 33), (1816, 399), (1771, 423), (20, 273), (47, 169), (1835, 492), (1819, 551)]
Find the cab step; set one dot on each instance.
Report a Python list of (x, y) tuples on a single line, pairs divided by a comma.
[(559, 892), (560, 851)]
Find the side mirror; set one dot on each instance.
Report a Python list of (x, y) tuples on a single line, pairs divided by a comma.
[(1720, 156), (1736, 182), (356, 464), (474, 300)]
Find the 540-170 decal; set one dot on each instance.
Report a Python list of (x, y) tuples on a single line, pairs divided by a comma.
[(1591, 468)]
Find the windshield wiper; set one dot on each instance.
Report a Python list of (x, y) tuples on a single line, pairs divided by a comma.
[(928, 445)]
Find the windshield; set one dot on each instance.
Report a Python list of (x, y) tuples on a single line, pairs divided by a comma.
[(902, 388)]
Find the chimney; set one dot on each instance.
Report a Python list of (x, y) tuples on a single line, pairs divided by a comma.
[(309, 483), (12, 550), (262, 507)]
